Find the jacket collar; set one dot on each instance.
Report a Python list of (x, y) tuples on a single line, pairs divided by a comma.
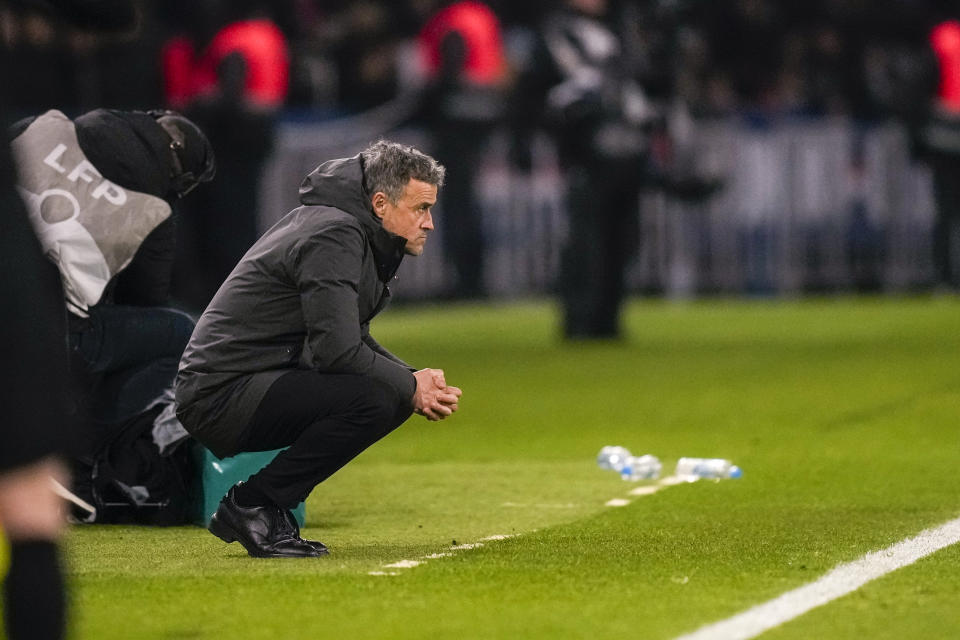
[(388, 250), (339, 183)]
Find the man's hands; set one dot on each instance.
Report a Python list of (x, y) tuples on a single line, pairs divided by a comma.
[(433, 399)]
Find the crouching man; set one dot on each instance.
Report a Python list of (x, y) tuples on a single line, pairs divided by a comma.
[(283, 356)]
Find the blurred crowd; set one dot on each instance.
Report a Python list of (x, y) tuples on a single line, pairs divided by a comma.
[(612, 71), (760, 57)]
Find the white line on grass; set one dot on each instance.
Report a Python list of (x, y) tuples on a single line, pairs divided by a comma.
[(840, 581), (650, 489), (410, 564), (392, 569), (403, 564)]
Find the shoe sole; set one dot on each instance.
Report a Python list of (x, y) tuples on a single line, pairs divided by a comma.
[(228, 535), (323, 552)]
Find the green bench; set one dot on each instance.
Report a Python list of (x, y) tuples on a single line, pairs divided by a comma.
[(217, 476)]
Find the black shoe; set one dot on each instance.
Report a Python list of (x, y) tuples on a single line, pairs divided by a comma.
[(264, 532), (316, 544)]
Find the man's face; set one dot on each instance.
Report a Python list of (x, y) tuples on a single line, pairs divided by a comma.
[(410, 216)]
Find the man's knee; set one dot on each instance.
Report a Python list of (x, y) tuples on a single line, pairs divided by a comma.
[(181, 328), (382, 403)]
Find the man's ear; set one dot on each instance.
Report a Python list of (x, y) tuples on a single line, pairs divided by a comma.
[(379, 203)]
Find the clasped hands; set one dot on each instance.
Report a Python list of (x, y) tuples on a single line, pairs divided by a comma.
[(433, 399)]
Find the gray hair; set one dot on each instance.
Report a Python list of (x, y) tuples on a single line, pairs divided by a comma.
[(389, 166)]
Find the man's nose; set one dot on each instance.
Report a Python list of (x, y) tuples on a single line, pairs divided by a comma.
[(428, 222)]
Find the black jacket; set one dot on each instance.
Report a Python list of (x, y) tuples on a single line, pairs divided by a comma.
[(302, 297)]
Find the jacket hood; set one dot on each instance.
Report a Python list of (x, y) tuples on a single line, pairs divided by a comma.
[(339, 184), (128, 148)]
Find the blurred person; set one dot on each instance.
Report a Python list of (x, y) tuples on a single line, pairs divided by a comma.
[(462, 48), (38, 418), (36, 424), (230, 74), (939, 138), (582, 84), (283, 356), (365, 54), (100, 191)]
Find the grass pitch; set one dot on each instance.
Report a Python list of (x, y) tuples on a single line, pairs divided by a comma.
[(843, 414)]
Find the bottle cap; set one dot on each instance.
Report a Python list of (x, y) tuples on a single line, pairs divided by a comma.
[(735, 471)]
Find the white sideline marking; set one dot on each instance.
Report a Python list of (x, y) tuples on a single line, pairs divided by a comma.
[(648, 490), (838, 582), (410, 564), (403, 564), (645, 490)]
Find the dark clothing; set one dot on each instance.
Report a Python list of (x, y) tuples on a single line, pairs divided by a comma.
[(220, 219), (326, 420), (38, 421), (115, 255), (301, 298), (939, 102), (131, 150), (35, 391), (34, 605), (33, 338), (117, 167), (129, 347), (580, 86), (231, 84), (583, 84), (462, 146), (946, 226), (602, 203), (463, 105), (146, 280), (128, 357)]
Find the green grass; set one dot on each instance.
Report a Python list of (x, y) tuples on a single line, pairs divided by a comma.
[(843, 414)]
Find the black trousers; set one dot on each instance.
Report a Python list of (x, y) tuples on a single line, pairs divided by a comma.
[(326, 420), (603, 206), (124, 358), (946, 228), (462, 145)]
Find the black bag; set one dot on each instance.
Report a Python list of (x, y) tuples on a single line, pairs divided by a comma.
[(131, 483)]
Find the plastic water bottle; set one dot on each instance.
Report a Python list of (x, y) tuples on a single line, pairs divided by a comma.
[(716, 468), (641, 468), (614, 458)]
